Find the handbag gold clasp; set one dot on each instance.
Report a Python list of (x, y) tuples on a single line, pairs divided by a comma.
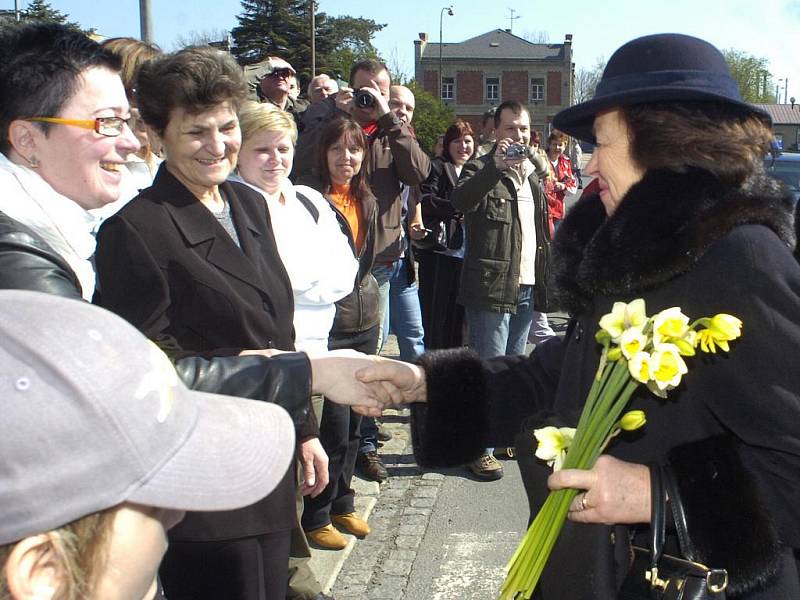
[(652, 576), (717, 580)]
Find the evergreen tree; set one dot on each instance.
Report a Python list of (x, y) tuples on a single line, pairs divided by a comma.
[(283, 28), (271, 27), (41, 11)]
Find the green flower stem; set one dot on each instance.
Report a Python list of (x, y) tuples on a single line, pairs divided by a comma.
[(612, 392)]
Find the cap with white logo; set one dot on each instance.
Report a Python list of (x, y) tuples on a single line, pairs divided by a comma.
[(92, 414)]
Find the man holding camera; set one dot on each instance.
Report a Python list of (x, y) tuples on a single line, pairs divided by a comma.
[(508, 245)]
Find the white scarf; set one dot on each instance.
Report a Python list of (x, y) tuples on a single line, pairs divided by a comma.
[(63, 224)]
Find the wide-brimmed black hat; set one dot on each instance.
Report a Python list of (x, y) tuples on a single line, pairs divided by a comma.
[(657, 68)]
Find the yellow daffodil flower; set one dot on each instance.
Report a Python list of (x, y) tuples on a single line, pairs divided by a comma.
[(639, 366), (709, 341), (632, 420), (666, 368), (669, 323), (553, 443), (623, 316), (726, 326), (632, 341)]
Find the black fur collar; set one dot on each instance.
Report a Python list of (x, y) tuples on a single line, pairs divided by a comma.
[(663, 226)]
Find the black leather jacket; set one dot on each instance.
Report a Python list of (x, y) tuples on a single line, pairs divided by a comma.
[(27, 262)]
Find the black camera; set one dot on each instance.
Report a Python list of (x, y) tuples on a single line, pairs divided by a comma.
[(515, 151), (364, 99)]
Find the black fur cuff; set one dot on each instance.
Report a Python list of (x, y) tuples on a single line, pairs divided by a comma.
[(728, 524), (451, 429)]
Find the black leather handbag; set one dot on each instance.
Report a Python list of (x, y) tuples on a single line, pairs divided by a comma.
[(658, 576), (447, 234)]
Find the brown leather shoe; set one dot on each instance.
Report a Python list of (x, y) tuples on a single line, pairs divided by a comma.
[(351, 523), (369, 465), (327, 537)]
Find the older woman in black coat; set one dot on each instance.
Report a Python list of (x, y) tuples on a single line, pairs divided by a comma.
[(677, 222), (192, 262)]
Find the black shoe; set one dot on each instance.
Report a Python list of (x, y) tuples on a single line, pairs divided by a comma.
[(369, 465)]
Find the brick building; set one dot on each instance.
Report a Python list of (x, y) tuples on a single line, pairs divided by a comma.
[(486, 70)]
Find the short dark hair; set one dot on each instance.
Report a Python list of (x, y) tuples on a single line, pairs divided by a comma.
[(40, 68), (512, 105), (457, 130), (195, 79), (489, 114), (370, 65), (719, 138), (352, 132)]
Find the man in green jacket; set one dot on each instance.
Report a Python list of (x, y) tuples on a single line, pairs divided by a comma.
[(507, 245)]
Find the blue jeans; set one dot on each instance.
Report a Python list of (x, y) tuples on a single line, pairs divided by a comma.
[(403, 316), (496, 334)]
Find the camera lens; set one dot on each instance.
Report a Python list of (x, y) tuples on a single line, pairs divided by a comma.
[(364, 99)]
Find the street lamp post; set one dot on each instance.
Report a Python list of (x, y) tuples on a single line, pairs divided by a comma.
[(450, 12)]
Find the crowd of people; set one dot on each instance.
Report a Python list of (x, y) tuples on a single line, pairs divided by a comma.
[(266, 243)]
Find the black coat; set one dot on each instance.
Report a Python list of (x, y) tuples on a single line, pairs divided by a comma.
[(166, 265), (675, 240)]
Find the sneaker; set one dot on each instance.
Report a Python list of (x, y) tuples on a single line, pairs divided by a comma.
[(369, 465), (351, 523), (486, 467), (327, 537)]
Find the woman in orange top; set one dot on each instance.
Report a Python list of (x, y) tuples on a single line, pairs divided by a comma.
[(342, 180)]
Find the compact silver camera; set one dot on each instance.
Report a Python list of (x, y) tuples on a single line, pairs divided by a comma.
[(515, 151)]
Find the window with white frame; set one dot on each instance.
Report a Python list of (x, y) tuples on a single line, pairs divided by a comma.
[(537, 89), (492, 88), (448, 85)]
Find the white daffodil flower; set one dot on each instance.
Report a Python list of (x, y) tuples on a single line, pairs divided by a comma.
[(624, 316), (552, 444), (669, 323)]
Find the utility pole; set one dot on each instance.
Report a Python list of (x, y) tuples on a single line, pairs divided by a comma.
[(16, 9), (313, 10), (145, 22), (511, 19)]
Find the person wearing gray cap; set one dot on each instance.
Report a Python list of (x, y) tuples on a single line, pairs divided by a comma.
[(104, 449)]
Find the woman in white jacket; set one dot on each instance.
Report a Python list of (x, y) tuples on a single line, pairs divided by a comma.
[(315, 252)]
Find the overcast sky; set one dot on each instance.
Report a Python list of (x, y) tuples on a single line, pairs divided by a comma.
[(764, 28)]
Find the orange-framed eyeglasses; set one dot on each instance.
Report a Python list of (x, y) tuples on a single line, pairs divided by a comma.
[(107, 126)]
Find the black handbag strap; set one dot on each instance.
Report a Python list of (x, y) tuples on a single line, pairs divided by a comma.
[(658, 519)]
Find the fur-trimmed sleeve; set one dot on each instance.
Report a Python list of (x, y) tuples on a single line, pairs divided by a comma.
[(452, 427), (728, 524)]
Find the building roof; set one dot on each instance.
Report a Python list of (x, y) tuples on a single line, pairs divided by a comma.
[(495, 44), (782, 114)]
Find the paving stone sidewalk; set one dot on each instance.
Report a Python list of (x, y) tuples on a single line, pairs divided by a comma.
[(379, 565)]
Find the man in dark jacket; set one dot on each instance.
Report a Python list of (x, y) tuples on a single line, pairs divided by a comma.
[(507, 246)]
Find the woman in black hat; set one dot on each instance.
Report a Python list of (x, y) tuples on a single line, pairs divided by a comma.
[(677, 221)]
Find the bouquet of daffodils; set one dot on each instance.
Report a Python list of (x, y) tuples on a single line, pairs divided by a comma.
[(637, 349)]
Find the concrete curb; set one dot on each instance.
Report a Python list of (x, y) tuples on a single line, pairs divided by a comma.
[(326, 564)]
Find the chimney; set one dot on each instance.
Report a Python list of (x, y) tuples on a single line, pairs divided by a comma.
[(568, 38), (423, 37)]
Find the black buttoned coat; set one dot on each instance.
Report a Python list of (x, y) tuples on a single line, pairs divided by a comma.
[(165, 264)]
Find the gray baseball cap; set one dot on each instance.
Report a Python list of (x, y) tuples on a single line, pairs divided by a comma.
[(92, 414)]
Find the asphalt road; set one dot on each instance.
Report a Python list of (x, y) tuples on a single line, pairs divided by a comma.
[(473, 531)]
